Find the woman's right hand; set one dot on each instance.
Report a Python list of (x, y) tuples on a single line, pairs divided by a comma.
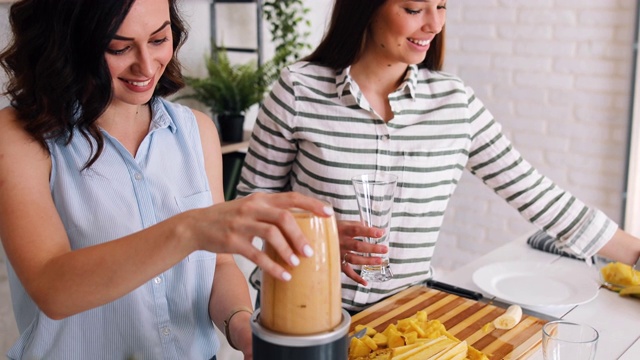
[(230, 227), (351, 249)]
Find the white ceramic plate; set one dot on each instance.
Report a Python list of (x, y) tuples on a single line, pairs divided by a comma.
[(531, 283)]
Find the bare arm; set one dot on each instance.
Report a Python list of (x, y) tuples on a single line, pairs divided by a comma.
[(622, 247), (229, 293), (63, 282), (230, 290)]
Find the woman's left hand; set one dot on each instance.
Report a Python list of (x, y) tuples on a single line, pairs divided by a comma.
[(351, 249)]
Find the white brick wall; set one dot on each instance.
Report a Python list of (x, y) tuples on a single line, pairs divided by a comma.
[(557, 76)]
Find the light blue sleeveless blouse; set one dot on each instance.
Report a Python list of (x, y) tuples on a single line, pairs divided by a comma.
[(165, 318)]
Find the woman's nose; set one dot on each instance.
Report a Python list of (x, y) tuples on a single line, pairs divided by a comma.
[(433, 21), (144, 63)]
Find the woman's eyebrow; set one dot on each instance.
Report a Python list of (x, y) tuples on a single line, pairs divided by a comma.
[(119, 37)]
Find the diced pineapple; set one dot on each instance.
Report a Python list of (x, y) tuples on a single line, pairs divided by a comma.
[(380, 339), (357, 348), (370, 331), (369, 342), (410, 337), (618, 273), (421, 316), (395, 340)]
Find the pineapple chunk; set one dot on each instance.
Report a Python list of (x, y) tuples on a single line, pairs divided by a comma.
[(380, 339), (369, 342), (357, 348), (620, 274), (410, 337)]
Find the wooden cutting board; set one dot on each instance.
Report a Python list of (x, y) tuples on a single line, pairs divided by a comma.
[(462, 317)]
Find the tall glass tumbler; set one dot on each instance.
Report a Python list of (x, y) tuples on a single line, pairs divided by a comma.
[(375, 194)]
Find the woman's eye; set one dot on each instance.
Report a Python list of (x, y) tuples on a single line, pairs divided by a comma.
[(442, 7), (160, 41), (117, 51), (412, 12)]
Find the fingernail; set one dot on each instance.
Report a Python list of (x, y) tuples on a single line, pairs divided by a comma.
[(328, 210), (307, 250), (286, 276), (294, 260)]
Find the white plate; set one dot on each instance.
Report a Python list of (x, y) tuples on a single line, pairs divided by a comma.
[(530, 283)]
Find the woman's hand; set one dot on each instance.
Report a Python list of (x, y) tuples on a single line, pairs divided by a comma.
[(351, 249), (231, 226)]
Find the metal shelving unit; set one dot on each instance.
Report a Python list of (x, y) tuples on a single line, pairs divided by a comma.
[(232, 161)]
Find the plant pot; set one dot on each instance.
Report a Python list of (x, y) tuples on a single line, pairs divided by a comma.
[(231, 127)]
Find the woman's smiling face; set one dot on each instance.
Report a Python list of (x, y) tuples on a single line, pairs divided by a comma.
[(401, 30), (139, 53)]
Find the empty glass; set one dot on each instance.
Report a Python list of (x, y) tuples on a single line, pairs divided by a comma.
[(375, 194), (564, 340)]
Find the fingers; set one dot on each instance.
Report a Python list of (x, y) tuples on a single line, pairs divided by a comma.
[(268, 216), (263, 261), (351, 229), (290, 200), (348, 270)]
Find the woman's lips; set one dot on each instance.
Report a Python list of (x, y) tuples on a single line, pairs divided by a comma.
[(138, 85)]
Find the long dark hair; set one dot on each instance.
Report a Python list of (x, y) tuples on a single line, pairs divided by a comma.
[(58, 77), (344, 40)]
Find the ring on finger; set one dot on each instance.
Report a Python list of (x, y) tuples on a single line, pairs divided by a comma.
[(344, 258)]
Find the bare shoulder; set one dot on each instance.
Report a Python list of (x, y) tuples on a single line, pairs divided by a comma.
[(16, 144), (205, 124), (12, 130), (202, 118)]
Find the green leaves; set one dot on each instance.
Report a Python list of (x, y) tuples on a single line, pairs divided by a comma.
[(285, 18), (229, 88), (232, 89)]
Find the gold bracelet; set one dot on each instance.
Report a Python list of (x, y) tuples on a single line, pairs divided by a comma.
[(226, 323)]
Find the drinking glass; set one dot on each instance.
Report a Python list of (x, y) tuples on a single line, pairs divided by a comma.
[(375, 194), (564, 340)]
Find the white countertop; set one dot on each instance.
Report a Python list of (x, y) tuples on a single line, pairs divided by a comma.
[(616, 318)]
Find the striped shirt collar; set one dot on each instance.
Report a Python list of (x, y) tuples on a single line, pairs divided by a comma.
[(345, 83)]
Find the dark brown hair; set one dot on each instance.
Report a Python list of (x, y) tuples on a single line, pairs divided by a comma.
[(58, 78), (344, 40)]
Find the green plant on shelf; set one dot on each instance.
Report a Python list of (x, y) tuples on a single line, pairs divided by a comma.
[(229, 89)]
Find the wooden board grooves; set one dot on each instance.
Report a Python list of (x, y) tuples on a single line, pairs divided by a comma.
[(463, 318)]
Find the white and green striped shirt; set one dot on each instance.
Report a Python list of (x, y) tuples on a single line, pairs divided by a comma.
[(315, 131)]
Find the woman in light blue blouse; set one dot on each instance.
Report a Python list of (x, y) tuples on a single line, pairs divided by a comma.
[(107, 192)]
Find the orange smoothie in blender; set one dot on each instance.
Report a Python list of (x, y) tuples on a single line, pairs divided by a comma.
[(310, 302)]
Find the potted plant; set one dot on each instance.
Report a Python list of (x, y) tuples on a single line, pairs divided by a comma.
[(229, 90)]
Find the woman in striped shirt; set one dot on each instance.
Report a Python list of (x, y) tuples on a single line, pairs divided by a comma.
[(372, 97)]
